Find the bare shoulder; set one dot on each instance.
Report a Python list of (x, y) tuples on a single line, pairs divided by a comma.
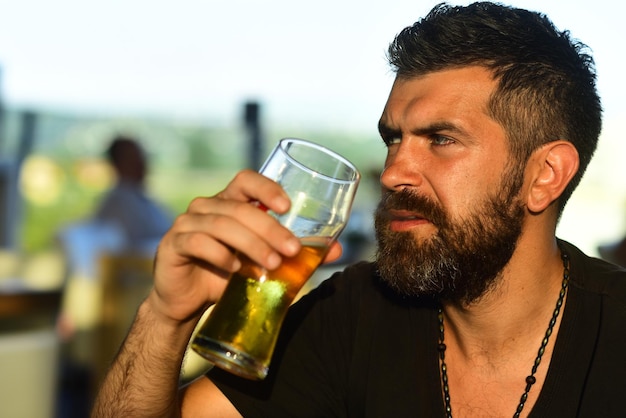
[(203, 399)]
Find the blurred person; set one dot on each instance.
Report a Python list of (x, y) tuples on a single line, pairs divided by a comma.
[(126, 222), (473, 306), (141, 220)]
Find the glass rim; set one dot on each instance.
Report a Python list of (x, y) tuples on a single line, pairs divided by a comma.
[(284, 141)]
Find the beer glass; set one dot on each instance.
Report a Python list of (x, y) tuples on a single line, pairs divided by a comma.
[(240, 333)]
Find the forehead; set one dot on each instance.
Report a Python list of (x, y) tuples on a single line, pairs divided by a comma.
[(458, 96)]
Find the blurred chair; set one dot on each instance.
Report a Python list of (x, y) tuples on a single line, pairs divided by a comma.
[(105, 286), (79, 323), (83, 244), (126, 280)]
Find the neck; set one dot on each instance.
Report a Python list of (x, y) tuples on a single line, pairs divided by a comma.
[(514, 311), (506, 371)]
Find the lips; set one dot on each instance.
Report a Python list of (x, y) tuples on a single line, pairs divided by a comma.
[(402, 220)]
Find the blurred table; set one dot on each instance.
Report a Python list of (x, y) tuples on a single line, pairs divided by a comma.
[(22, 307), (17, 303)]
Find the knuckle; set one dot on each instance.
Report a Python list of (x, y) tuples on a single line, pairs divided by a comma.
[(196, 240), (241, 211), (195, 204), (179, 222), (219, 221), (242, 177)]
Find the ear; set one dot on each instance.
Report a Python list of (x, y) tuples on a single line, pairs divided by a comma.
[(552, 167)]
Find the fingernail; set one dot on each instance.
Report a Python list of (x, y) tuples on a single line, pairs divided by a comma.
[(273, 261), (292, 246), (282, 203), (236, 265)]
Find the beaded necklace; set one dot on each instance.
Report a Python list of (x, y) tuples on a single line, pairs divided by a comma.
[(530, 380)]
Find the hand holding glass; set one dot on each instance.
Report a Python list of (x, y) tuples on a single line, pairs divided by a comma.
[(240, 333)]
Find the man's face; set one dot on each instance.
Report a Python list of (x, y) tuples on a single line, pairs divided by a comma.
[(450, 214)]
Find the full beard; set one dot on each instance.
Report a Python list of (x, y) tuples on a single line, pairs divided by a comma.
[(462, 260)]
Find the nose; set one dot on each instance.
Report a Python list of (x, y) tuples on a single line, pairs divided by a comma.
[(402, 167)]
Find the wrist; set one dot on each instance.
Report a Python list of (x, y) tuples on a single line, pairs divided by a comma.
[(161, 317)]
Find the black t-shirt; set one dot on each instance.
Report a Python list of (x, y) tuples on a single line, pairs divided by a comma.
[(351, 348)]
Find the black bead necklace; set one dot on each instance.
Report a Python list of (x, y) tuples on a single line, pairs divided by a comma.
[(530, 380)]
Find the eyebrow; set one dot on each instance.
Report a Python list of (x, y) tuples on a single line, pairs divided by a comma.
[(387, 131)]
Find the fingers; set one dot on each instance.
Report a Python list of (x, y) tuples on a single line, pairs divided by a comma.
[(233, 227), (251, 186), (216, 227), (207, 243)]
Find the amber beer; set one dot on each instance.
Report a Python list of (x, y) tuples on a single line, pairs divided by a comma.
[(241, 332), (246, 327)]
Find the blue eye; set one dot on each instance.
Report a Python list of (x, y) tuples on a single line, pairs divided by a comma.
[(440, 140)]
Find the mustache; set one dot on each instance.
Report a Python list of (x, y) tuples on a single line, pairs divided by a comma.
[(410, 201)]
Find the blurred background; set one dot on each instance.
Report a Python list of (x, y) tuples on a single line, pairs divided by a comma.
[(206, 87)]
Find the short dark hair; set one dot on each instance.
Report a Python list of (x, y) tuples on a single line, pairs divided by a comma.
[(118, 147), (546, 80)]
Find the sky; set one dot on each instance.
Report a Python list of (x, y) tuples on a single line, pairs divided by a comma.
[(319, 62)]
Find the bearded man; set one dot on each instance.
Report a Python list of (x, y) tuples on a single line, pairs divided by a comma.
[(473, 307)]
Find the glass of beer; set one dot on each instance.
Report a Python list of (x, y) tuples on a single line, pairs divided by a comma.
[(240, 333)]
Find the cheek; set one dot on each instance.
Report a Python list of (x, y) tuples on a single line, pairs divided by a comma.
[(461, 191)]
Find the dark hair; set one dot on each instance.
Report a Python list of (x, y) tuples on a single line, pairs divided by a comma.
[(546, 80), (119, 146)]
